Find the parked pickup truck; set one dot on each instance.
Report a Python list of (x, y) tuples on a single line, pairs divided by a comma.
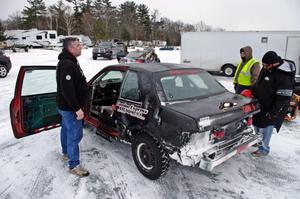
[(103, 49), (164, 110)]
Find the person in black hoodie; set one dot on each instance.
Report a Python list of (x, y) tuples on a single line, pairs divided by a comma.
[(72, 94), (273, 89)]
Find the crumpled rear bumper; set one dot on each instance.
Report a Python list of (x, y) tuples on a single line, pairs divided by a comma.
[(221, 153), (212, 154)]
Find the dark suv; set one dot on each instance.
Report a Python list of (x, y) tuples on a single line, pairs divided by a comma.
[(5, 64), (103, 49), (164, 110)]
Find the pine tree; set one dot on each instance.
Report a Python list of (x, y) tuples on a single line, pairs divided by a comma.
[(58, 13), (125, 35), (77, 15), (33, 13), (143, 19), (128, 17), (2, 36), (104, 10), (86, 7), (99, 31)]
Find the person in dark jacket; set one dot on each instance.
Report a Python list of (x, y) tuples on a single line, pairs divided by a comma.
[(273, 89), (72, 94)]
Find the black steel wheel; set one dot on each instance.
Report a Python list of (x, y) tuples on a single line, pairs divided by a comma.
[(149, 156)]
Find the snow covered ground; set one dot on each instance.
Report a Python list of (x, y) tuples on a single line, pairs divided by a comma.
[(32, 167)]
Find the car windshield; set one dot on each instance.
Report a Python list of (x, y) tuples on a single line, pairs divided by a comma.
[(186, 84), (105, 44), (135, 54)]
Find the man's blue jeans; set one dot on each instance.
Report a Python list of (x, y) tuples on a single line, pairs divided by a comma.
[(70, 136), (267, 134)]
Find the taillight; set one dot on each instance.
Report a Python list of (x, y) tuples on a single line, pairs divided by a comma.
[(139, 61), (218, 134), (249, 121), (248, 108), (114, 107)]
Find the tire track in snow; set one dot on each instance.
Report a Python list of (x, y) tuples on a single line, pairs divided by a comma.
[(2, 193), (41, 185)]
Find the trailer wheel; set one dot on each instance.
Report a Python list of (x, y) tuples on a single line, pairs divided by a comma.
[(149, 156), (3, 71), (228, 70)]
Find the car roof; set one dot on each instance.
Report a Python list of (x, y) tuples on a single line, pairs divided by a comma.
[(155, 67)]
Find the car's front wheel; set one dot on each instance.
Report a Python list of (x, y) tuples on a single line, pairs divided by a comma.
[(94, 57), (3, 71), (149, 156)]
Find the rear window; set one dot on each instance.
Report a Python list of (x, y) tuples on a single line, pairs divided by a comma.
[(105, 44), (187, 84), (135, 54)]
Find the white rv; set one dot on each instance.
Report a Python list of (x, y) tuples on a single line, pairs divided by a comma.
[(220, 51), (31, 38), (84, 40)]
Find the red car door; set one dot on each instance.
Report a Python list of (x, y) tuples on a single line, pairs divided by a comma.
[(33, 108)]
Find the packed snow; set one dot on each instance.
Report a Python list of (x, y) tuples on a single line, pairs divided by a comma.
[(33, 167)]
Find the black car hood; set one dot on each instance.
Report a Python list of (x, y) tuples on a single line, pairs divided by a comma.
[(212, 107)]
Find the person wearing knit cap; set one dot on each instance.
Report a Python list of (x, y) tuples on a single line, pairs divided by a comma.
[(247, 71), (273, 89)]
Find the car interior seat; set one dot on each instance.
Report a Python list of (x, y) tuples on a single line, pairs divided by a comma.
[(169, 86)]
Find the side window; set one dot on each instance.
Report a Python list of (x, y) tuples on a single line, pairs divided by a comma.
[(112, 76), (131, 87), (39, 37), (38, 82), (52, 36)]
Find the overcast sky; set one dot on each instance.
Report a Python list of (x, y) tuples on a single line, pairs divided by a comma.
[(228, 14)]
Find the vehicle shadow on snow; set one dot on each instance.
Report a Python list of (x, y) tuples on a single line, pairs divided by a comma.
[(114, 174)]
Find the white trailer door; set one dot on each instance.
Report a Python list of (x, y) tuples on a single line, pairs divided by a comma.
[(293, 51)]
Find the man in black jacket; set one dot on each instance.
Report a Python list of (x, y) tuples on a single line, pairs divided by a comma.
[(273, 89), (72, 93)]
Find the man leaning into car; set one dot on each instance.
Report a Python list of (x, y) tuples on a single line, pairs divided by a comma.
[(72, 92)]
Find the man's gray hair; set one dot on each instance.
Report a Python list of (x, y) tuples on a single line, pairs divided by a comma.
[(68, 42)]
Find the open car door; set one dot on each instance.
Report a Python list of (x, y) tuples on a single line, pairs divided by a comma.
[(33, 108)]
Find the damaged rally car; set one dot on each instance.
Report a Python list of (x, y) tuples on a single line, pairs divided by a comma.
[(164, 110)]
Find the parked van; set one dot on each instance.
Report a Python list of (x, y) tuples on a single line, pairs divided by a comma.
[(220, 51)]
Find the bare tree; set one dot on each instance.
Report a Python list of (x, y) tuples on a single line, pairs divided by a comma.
[(69, 20), (14, 21), (49, 20), (88, 22)]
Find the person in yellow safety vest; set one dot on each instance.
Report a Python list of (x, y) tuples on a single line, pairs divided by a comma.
[(247, 71)]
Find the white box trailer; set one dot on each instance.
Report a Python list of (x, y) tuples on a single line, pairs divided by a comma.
[(31, 38), (220, 51)]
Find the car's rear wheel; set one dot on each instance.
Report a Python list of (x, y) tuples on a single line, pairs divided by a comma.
[(228, 70), (149, 156), (3, 71)]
